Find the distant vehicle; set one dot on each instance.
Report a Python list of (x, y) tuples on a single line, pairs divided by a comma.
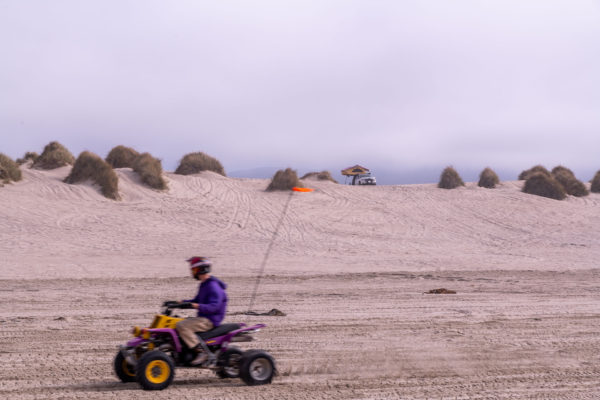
[(365, 179), (360, 175)]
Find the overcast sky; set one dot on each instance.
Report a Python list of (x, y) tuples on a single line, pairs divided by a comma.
[(307, 84)]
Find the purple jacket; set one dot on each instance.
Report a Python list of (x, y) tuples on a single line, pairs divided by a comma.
[(212, 300)]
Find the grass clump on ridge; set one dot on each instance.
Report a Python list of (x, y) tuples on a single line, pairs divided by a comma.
[(150, 171), (90, 166), (561, 169), (193, 163), (122, 157), (9, 170), (541, 184), (569, 182), (488, 178), (523, 176), (322, 176), (596, 183), (55, 155), (30, 155), (450, 179), (284, 180)]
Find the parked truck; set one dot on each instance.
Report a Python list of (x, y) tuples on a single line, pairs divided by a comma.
[(360, 175)]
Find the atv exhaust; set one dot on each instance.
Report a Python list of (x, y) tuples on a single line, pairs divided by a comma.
[(242, 339)]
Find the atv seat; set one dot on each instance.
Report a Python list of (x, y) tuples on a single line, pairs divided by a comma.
[(218, 331)]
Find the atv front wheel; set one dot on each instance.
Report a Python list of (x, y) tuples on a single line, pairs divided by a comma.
[(155, 370), (257, 367), (124, 371), (229, 363)]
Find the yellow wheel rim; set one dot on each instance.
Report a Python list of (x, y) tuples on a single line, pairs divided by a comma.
[(157, 371), (127, 369)]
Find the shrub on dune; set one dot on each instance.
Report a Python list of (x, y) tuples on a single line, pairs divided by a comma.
[(9, 170), (560, 169), (488, 179), (55, 155), (541, 184), (523, 176), (90, 166), (30, 155), (193, 163), (572, 185), (450, 179), (284, 180), (596, 183), (322, 176), (150, 171), (121, 157), (3, 176)]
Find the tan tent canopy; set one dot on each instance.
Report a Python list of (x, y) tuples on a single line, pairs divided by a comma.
[(355, 170)]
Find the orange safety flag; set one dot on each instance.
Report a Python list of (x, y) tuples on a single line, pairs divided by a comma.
[(300, 189)]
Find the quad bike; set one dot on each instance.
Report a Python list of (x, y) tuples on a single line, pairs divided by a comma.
[(151, 356)]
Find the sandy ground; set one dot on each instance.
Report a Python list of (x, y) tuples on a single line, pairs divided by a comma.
[(349, 267)]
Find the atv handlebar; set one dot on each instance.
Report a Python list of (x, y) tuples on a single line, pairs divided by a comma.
[(176, 304)]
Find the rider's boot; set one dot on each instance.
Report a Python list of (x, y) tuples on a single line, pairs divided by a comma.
[(200, 358)]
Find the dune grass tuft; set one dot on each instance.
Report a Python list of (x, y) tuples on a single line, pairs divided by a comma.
[(9, 169), (322, 176), (523, 176), (91, 166), (150, 171), (541, 184), (55, 155), (193, 163), (561, 169), (284, 180), (596, 183), (569, 182), (488, 178), (450, 179), (4, 178), (30, 155), (121, 157)]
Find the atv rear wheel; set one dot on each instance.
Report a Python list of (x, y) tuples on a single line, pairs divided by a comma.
[(229, 363), (257, 367), (155, 370), (124, 371)]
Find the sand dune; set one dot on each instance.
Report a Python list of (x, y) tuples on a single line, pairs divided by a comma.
[(349, 267)]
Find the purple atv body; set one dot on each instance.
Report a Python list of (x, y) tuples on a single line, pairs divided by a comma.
[(220, 341), (150, 358)]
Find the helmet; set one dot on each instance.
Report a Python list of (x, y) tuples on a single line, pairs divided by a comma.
[(202, 263)]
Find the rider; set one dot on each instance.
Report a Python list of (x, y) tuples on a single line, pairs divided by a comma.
[(211, 303)]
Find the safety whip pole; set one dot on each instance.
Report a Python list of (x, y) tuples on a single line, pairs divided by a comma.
[(264, 263)]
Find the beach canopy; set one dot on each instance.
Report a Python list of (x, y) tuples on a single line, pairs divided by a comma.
[(355, 170)]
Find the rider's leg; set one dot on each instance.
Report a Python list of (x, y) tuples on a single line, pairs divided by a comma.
[(187, 332)]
